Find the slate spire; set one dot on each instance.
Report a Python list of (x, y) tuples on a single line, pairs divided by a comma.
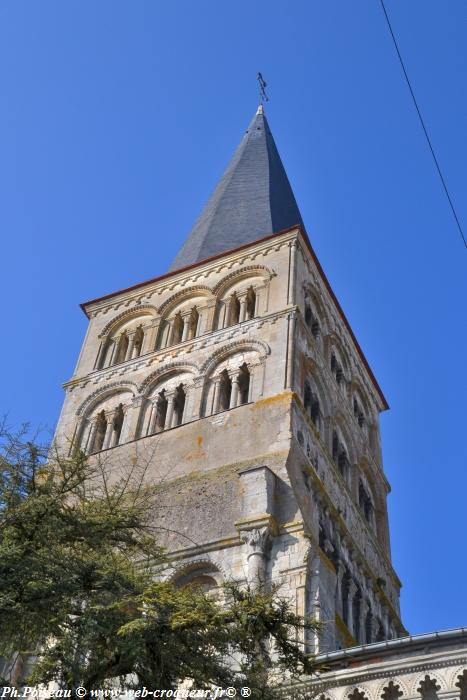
[(252, 199)]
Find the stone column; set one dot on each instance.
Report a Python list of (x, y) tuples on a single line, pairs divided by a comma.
[(234, 392), (131, 345), (215, 395), (110, 355), (150, 336), (131, 420), (170, 396), (100, 355), (186, 326), (147, 428), (223, 314), (91, 433), (206, 321), (257, 540), (109, 430), (242, 315)]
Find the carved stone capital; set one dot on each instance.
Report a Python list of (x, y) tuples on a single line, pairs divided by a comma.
[(258, 540)]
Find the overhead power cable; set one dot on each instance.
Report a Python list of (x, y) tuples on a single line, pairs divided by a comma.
[(423, 125)]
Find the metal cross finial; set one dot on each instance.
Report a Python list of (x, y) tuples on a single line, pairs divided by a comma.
[(262, 89)]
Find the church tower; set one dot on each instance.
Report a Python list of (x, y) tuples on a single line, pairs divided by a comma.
[(237, 379)]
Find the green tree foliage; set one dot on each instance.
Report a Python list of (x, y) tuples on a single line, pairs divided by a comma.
[(82, 587)]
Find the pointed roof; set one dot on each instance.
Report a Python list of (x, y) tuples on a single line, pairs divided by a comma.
[(253, 199)]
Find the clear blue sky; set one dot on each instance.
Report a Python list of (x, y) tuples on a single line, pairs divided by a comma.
[(118, 118)]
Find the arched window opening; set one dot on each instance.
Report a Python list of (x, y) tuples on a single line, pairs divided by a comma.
[(117, 425), (179, 405), (365, 503), (225, 391), (307, 397), (161, 412), (356, 606), (358, 413), (336, 369), (234, 310), (391, 692), (138, 341), (312, 322), (380, 636), (193, 323), (311, 404), (243, 384), (250, 304), (343, 463), (339, 455), (122, 348), (345, 596), (335, 446), (177, 329), (99, 435), (428, 689)]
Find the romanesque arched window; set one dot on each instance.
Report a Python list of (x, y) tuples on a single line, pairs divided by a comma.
[(103, 426), (165, 401), (124, 339)]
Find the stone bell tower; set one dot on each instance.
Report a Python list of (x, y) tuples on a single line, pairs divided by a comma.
[(236, 377)]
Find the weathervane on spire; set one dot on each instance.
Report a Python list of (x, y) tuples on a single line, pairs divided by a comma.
[(262, 89)]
